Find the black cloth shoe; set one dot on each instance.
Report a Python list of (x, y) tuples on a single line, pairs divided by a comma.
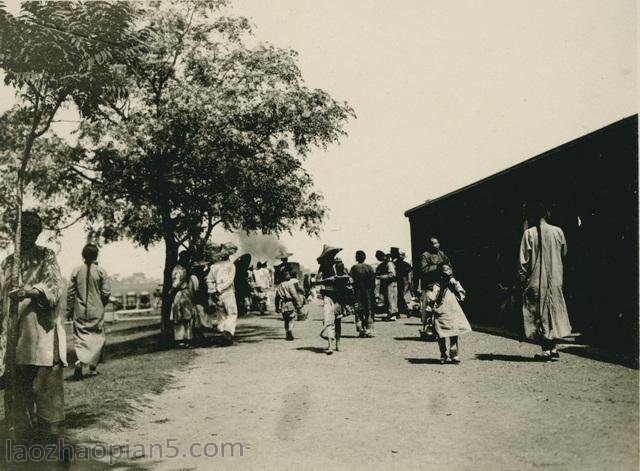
[(545, 356)]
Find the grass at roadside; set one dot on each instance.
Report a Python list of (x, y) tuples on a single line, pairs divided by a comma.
[(133, 369)]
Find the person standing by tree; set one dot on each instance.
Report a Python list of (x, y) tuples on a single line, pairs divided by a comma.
[(364, 285), (542, 249), (386, 273), (33, 350), (222, 292), (242, 283), (184, 287), (87, 295)]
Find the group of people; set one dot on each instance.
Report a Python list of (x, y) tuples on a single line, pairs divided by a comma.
[(33, 340), (354, 291), (394, 275), (545, 317), (203, 295), (33, 346)]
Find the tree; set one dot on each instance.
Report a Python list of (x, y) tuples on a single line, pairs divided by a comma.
[(54, 53), (213, 132), (46, 182)]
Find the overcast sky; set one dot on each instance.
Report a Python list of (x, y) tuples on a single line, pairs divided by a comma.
[(446, 93)]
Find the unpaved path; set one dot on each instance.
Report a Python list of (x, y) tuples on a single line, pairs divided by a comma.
[(385, 403)]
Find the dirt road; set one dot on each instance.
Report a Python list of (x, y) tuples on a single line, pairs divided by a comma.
[(385, 403)]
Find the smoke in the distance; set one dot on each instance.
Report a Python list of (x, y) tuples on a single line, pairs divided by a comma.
[(261, 247)]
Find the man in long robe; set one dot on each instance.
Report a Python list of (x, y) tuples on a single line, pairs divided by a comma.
[(87, 295), (33, 350), (546, 319), (222, 292)]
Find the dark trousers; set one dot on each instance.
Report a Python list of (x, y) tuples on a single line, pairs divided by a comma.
[(402, 303), (453, 346), (365, 306), (36, 399), (547, 344)]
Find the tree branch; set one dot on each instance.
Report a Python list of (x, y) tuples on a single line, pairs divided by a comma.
[(86, 177), (47, 124), (67, 226)]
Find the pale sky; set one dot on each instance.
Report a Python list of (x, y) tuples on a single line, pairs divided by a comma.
[(446, 93)]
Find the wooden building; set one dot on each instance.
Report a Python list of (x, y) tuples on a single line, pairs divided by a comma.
[(591, 187)]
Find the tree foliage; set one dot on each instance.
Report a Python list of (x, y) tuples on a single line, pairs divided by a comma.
[(54, 54), (212, 132)]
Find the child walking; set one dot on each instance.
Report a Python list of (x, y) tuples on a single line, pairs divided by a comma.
[(442, 300), (288, 302)]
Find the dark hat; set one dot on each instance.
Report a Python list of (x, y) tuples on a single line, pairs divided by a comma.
[(394, 252), (380, 253), (328, 252)]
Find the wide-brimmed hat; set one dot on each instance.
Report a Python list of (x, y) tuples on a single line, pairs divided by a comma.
[(281, 253), (328, 252)]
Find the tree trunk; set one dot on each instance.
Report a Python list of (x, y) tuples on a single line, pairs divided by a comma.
[(170, 260), (13, 321)]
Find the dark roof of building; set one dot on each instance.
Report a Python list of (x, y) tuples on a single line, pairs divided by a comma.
[(527, 162)]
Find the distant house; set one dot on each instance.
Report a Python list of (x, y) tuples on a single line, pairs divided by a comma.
[(591, 184)]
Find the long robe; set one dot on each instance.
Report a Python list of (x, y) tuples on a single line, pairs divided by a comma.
[(33, 349), (386, 273), (448, 317), (88, 293), (183, 309), (544, 309), (220, 280)]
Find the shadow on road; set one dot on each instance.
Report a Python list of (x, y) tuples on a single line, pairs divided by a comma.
[(598, 354), (409, 339), (500, 357), (312, 349), (423, 361)]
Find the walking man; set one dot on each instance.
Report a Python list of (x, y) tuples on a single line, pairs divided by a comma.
[(87, 295), (403, 274), (386, 274), (364, 285), (542, 250), (222, 292)]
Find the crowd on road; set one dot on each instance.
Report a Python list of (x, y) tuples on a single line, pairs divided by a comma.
[(211, 293)]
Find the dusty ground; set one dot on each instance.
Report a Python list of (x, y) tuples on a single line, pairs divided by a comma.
[(381, 403), (385, 403)]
